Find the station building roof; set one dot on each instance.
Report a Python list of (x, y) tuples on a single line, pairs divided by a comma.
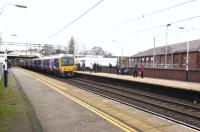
[(194, 45)]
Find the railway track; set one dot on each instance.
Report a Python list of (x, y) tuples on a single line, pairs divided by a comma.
[(177, 110), (181, 111)]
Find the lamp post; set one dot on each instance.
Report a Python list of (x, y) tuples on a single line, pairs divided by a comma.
[(14, 35), (8, 4), (187, 57), (154, 51), (5, 53), (0, 41), (166, 44)]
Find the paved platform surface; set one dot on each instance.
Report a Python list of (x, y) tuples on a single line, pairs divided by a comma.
[(192, 86), (58, 113)]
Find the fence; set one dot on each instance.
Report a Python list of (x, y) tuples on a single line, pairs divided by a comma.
[(167, 66), (176, 74)]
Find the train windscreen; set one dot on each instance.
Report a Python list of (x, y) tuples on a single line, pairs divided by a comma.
[(67, 61)]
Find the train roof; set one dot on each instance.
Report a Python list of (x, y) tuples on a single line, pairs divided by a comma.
[(54, 56)]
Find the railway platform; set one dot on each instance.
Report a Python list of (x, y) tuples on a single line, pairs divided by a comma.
[(191, 86), (62, 107)]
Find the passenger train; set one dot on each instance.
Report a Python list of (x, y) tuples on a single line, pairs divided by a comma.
[(61, 64)]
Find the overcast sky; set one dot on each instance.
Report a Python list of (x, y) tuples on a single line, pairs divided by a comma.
[(111, 20)]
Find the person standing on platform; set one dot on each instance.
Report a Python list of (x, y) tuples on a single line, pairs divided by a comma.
[(78, 66), (98, 67), (141, 71), (83, 66), (135, 73), (110, 67), (117, 69), (94, 67)]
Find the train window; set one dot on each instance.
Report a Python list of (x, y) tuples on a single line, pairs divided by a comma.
[(56, 63), (67, 61)]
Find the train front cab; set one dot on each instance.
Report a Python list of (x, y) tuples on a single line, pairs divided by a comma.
[(67, 66)]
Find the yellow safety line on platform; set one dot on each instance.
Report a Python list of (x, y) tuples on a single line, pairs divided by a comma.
[(107, 117)]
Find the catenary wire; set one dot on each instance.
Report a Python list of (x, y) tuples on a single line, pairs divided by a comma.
[(159, 26), (155, 12), (69, 24)]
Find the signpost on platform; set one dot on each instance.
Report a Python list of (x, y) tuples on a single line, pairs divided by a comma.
[(154, 51)]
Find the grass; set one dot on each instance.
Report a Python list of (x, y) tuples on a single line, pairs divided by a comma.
[(7, 105), (16, 112)]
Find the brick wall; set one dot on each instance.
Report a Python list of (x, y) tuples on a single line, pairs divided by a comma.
[(193, 75), (193, 60)]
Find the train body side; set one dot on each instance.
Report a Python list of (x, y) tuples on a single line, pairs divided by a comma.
[(63, 65)]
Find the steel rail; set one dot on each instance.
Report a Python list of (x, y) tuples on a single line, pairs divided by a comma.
[(150, 103)]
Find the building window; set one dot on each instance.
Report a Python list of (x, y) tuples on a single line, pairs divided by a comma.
[(175, 60), (184, 59), (151, 59), (162, 61), (132, 61), (142, 59), (147, 59)]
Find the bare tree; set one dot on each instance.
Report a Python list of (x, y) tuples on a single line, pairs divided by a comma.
[(108, 55), (71, 46), (97, 51)]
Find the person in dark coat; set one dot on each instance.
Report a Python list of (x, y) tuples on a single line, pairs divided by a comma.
[(83, 66), (98, 67), (94, 67), (110, 67), (117, 69), (78, 66), (135, 73)]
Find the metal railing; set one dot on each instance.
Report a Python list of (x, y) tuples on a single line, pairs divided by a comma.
[(164, 66)]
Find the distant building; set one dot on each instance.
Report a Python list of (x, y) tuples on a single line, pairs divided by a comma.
[(102, 61), (176, 56)]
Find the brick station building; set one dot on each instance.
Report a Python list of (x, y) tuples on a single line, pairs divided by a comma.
[(176, 56), (175, 67)]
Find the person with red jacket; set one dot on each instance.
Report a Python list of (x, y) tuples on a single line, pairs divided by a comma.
[(141, 71)]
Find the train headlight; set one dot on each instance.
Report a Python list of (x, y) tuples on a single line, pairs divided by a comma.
[(62, 69)]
